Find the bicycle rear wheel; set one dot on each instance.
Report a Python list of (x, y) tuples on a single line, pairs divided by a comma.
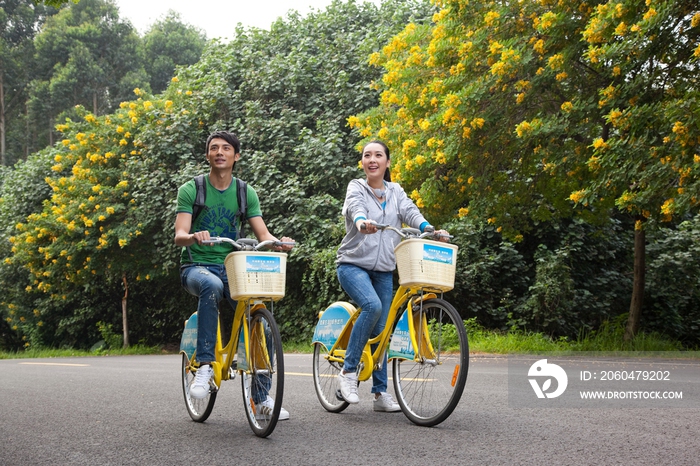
[(429, 388), (199, 409), (263, 381), (326, 380)]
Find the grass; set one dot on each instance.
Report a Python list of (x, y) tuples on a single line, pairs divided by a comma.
[(609, 338)]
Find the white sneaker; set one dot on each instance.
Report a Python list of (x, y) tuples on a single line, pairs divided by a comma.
[(348, 386), (265, 408), (385, 402), (200, 387)]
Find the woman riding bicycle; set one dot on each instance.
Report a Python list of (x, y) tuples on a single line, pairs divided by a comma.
[(365, 263)]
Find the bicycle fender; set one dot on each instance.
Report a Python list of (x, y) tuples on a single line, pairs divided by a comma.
[(188, 341), (332, 322)]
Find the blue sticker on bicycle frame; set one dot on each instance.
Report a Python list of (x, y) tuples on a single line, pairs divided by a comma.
[(400, 345), (438, 254), (270, 264), (188, 342), (330, 325), (240, 354)]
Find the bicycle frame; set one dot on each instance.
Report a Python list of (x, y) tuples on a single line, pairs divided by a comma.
[(238, 344), (369, 360)]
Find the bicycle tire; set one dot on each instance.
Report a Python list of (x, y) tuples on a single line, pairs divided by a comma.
[(325, 373), (429, 390), (199, 409), (265, 376)]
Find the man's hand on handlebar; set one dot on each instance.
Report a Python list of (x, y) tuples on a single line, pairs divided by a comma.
[(200, 236), (285, 247)]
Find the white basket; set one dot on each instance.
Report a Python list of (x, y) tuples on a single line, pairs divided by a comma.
[(253, 274), (426, 264)]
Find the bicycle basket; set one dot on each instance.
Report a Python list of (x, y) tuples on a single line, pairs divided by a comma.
[(253, 274), (426, 264)]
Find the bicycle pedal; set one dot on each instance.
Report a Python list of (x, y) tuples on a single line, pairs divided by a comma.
[(339, 395)]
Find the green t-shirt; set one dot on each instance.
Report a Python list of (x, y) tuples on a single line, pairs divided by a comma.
[(218, 218)]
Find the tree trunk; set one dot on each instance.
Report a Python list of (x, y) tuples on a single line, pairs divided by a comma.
[(125, 321), (638, 285)]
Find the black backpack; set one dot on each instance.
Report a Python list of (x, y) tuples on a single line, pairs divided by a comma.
[(200, 184)]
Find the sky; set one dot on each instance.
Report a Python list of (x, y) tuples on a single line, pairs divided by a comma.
[(217, 18)]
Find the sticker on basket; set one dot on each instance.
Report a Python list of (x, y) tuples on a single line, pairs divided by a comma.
[(438, 254), (263, 264), (400, 345)]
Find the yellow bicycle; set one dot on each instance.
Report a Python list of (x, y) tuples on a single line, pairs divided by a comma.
[(424, 336), (254, 349)]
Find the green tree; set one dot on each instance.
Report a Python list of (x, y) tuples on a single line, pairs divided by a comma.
[(20, 21), (85, 56), (167, 44), (527, 112)]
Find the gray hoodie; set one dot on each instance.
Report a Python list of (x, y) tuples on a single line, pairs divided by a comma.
[(375, 251)]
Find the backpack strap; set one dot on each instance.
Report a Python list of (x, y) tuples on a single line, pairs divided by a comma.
[(242, 193), (200, 199), (200, 196)]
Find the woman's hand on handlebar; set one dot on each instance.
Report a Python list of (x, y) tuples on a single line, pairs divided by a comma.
[(366, 226), (442, 235)]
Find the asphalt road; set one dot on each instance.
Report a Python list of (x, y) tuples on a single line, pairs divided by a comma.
[(128, 410)]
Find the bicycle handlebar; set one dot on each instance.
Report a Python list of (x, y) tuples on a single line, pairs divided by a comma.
[(407, 232), (247, 244)]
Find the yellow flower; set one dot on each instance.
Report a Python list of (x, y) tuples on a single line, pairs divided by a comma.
[(490, 17), (491, 220), (599, 144), (567, 107), (667, 207), (174, 79), (576, 196), (649, 14)]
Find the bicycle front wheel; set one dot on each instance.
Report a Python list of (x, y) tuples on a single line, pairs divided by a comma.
[(429, 387), (263, 380), (199, 409), (325, 374)]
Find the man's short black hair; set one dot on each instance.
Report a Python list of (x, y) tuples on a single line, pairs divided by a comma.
[(226, 136)]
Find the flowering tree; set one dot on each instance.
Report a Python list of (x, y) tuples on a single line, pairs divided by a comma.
[(521, 112)]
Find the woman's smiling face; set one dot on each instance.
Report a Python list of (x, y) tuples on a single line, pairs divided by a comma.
[(374, 161)]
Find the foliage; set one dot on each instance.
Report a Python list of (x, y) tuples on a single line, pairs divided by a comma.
[(85, 55), (20, 21), (673, 282), (500, 105), (167, 44)]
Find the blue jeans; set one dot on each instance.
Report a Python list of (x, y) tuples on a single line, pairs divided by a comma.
[(209, 283), (373, 292)]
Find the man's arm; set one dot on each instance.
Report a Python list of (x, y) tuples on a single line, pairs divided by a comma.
[(183, 237)]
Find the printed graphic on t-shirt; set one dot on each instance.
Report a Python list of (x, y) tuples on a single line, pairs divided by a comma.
[(218, 221)]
